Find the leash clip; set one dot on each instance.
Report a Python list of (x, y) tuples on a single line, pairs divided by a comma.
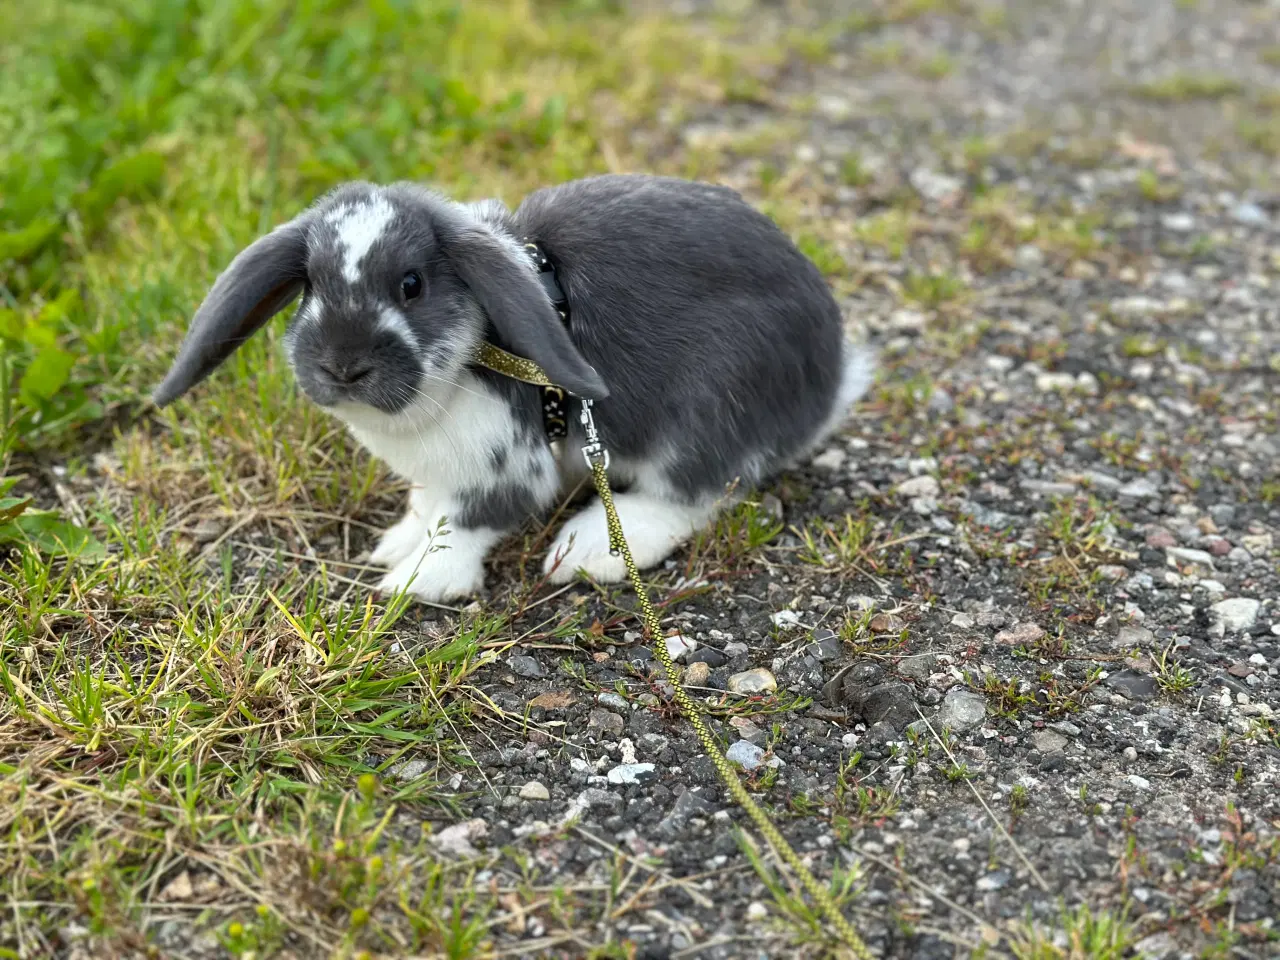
[(594, 450)]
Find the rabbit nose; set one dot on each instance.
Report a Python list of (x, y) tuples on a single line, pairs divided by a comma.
[(345, 371)]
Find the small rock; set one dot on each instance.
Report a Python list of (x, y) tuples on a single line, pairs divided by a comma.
[(1020, 633), (783, 618), (697, 673), (1188, 555), (1054, 382), (1066, 728), (1258, 544), (991, 618), (180, 888), (1048, 488), (1235, 615), (826, 645), (736, 649), (925, 486), (526, 667), (757, 910), (1219, 546), (409, 769), (831, 459), (1129, 637), (758, 680), (1028, 257), (1139, 489), (746, 729), (456, 840), (1212, 587), (889, 703), (1133, 685), (1140, 783), (918, 667), (1179, 222), (1158, 946), (680, 646), (745, 754), (631, 773), (1047, 741), (907, 321), (934, 186), (995, 880), (1250, 214), (1223, 514), (1102, 481), (614, 701), (940, 401), (533, 790), (885, 623), (1160, 539), (610, 723), (963, 621), (961, 710)]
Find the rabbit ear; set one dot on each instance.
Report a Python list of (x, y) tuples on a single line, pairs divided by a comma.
[(260, 282), (504, 282)]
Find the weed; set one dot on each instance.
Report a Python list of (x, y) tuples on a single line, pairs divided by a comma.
[(932, 289), (1019, 801), (1171, 675), (890, 231), (1189, 86), (1100, 935), (825, 257)]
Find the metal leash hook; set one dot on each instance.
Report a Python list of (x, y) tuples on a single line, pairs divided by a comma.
[(597, 456), (594, 449)]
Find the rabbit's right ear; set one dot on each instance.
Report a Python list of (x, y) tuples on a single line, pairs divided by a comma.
[(260, 282)]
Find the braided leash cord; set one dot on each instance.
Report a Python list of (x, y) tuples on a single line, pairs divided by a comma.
[(598, 458), (689, 707)]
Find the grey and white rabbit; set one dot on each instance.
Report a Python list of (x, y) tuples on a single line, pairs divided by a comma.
[(712, 348)]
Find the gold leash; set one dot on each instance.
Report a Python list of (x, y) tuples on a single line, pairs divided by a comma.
[(598, 460), (519, 368)]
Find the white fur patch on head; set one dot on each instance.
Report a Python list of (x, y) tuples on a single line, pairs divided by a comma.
[(359, 226), (308, 313), (393, 321)]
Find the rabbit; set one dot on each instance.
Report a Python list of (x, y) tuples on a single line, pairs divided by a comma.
[(712, 350)]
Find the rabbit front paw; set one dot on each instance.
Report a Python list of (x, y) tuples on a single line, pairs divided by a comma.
[(445, 565), (654, 529)]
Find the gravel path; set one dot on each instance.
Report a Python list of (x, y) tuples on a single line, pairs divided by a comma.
[(1052, 532)]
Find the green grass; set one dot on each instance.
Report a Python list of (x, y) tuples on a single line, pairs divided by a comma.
[(1181, 87), (1088, 935), (203, 711)]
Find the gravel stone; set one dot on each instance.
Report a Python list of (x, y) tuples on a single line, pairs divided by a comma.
[(1133, 685), (1235, 615), (632, 773), (745, 754), (757, 680), (533, 790), (961, 710)]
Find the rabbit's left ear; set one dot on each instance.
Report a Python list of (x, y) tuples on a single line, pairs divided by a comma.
[(509, 291), (260, 282)]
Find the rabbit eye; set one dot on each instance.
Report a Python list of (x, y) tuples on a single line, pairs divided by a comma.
[(411, 286)]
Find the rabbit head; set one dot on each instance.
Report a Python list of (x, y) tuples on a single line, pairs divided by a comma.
[(399, 285)]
